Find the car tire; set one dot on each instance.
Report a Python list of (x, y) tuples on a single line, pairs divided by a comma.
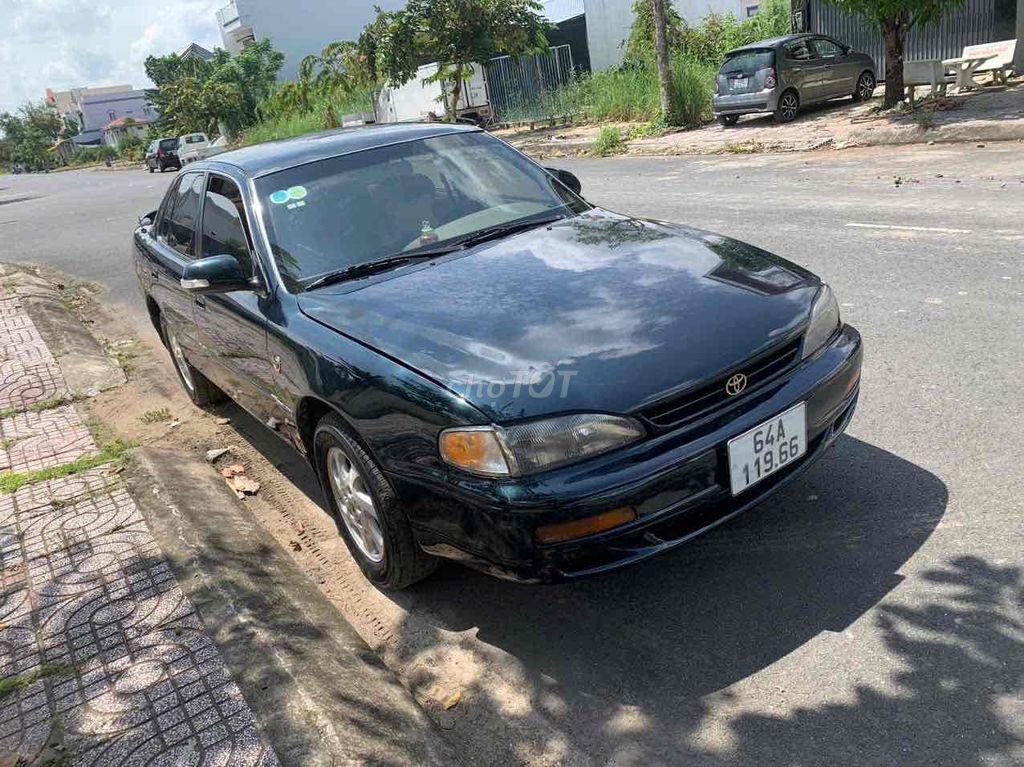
[(788, 107), (149, 167), (727, 120), (865, 87), (198, 387), (366, 509)]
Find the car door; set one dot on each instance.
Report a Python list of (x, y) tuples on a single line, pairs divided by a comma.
[(170, 245), (232, 326), (804, 69), (838, 77)]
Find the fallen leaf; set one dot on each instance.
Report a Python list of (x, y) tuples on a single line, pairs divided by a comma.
[(296, 546), (223, 421), (452, 700), (213, 455), (243, 486), (232, 470), (116, 470)]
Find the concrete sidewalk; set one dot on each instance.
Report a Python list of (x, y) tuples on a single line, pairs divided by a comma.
[(145, 617), (102, 658)]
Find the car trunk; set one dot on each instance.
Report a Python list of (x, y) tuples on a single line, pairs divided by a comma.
[(745, 72)]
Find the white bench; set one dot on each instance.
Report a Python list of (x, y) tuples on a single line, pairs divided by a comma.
[(931, 72), (996, 58)]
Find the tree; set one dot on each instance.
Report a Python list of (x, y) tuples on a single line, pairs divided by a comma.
[(28, 135), (668, 111), (455, 33), (641, 42), (894, 19)]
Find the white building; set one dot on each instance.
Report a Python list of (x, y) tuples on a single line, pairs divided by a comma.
[(297, 28), (609, 22)]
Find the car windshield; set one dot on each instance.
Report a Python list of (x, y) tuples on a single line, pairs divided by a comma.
[(396, 200), (749, 61)]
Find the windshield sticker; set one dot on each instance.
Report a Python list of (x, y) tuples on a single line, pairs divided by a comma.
[(297, 192), (280, 197), (294, 205)]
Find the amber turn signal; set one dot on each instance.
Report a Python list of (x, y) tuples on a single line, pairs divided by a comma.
[(577, 528)]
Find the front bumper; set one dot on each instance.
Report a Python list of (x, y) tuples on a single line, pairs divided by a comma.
[(745, 103), (677, 481)]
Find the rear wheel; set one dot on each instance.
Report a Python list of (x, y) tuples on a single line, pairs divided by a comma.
[(196, 385), (365, 506), (788, 107), (150, 167), (865, 87), (727, 120)]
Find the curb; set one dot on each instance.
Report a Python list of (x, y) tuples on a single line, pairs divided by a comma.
[(319, 693)]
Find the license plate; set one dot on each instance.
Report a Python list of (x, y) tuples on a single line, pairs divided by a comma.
[(739, 82), (765, 449)]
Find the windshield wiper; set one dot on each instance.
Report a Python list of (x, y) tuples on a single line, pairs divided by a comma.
[(367, 268), (502, 230)]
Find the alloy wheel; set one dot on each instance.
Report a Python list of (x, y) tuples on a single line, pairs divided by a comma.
[(355, 504), (182, 364), (866, 87), (789, 107)]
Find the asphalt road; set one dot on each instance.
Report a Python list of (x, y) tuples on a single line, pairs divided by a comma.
[(872, 613)]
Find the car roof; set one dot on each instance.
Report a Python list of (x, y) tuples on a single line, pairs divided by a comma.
[(771, 42), (273, 156)]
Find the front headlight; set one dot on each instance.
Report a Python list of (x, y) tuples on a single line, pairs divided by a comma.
[(824, 321), (532, 446)]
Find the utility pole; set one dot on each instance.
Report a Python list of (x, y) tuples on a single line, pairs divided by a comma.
[(661, 50)]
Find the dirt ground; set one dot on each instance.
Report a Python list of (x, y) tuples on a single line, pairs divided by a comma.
[(993, 113)]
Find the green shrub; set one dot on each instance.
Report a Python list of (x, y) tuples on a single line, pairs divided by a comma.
[(92, 155), (609, 141)]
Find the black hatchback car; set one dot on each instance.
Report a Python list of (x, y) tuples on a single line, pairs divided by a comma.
[(479, 364)]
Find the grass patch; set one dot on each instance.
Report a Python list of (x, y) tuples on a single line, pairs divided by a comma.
[(37, 407), (609, 141), (7, 444), (12, 684), (11, 481), (156, 416)]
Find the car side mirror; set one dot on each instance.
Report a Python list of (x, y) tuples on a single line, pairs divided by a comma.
[(148, 219), (215, 274), (567, 178)]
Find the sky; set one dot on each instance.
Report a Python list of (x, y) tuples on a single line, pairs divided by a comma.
[(63, 44)]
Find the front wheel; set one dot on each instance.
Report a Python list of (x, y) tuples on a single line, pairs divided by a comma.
[(787, 108), (366, 509), (865, 87), (727, 120)]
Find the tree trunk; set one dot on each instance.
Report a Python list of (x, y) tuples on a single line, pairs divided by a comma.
[(664, 73), (894, 30), (453, 109)]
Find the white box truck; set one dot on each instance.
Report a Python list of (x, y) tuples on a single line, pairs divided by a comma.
[(419, 101)]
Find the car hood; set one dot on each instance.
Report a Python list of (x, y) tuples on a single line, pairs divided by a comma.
[(600, 312)]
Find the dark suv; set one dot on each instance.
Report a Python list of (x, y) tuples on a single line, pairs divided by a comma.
[(163, 154), (781, 75)]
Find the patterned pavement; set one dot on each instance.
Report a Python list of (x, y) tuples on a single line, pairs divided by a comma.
[(103, 660)]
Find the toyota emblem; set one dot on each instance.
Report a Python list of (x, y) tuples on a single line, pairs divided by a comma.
[(735, 384)]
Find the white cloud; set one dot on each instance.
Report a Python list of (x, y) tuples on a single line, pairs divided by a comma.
[(64, 44)]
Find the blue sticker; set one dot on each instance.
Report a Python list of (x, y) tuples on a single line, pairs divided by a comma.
[(297, 192), (280, 197)]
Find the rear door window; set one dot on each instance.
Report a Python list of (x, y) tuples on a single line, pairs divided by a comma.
[(163, 226), (181, 231), (800, 50), (225, 230)]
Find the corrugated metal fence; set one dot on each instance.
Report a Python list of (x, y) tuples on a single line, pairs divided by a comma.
[(530, 87), (971, 24)]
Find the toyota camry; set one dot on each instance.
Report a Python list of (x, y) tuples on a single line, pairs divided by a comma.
[(481, 365)]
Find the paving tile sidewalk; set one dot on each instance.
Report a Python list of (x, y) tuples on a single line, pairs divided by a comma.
[(103, 659)]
